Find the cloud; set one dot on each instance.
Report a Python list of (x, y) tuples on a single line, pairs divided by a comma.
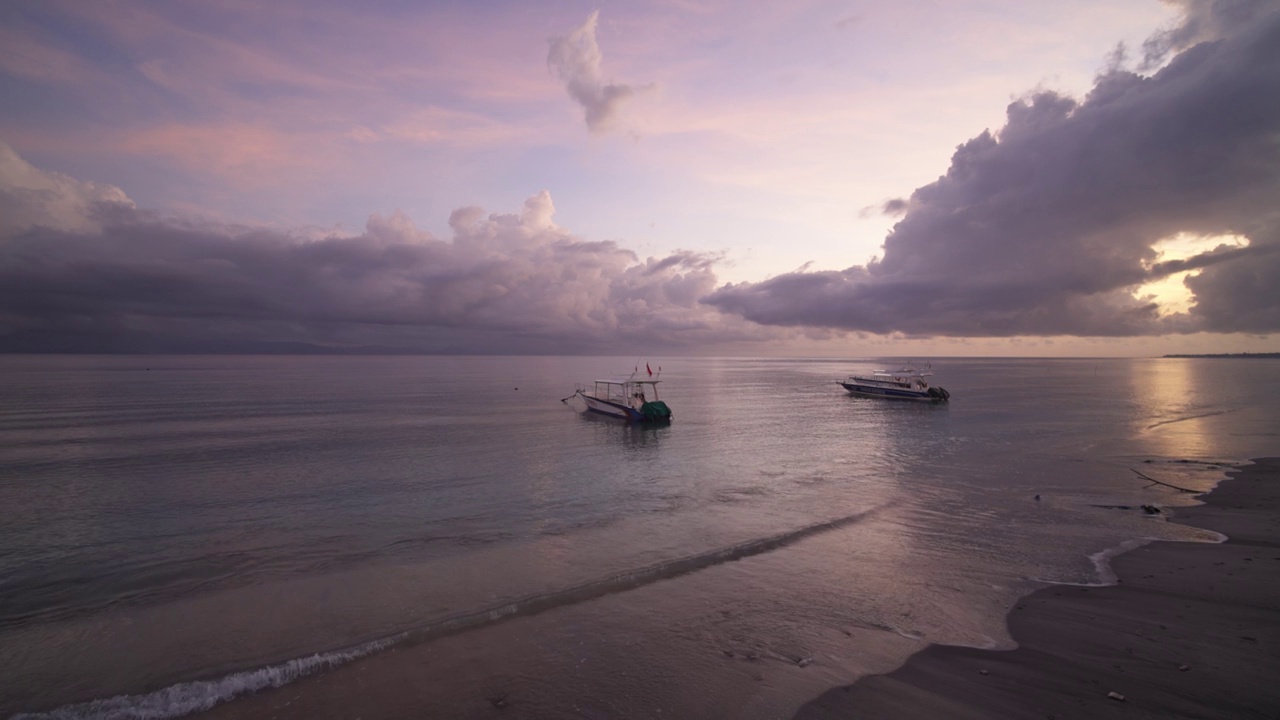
[(251, 155), (454, 128), (1202, 21), (848, 21), (577, 61), (31, 197), (1050, 226), (23, 55), (83, 269), (893, 207), (1241, 295)]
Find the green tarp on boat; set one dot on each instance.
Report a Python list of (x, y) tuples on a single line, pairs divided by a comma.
[(655, 411)]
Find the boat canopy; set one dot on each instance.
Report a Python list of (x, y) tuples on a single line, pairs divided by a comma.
[(905, 372), (624, 390)]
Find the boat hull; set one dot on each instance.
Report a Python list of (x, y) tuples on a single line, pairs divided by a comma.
[(620, 411), (890, 392), (604, 407)]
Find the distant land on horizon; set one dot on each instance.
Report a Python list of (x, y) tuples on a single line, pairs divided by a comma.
[(1268, 355)]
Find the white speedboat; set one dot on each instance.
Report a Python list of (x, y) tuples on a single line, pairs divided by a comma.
[(629, 399), (906, 384)]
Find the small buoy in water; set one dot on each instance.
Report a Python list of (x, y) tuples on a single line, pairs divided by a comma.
[(1037, 497)]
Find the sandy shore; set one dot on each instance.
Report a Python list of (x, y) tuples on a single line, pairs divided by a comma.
[(1190, 631)]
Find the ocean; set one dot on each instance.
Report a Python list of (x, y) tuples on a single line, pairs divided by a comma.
[(178, 532)]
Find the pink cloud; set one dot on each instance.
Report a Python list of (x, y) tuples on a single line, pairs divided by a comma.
[(247, 154), (23, 55), (438, 125)]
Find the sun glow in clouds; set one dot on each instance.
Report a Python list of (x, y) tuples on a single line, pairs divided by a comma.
[(1170, 293)]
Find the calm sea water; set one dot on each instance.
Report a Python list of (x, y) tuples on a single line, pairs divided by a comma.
[(165, 520)]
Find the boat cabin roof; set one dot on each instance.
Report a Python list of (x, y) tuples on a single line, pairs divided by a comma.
[(905, 372), (628, 382)]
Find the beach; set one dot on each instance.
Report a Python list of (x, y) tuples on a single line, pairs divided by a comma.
[(647, 360), (258, 537), (1190, 630)]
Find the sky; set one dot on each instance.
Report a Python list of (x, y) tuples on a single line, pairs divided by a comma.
[(853, 178)]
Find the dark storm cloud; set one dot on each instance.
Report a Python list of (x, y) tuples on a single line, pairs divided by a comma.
[(109, 277), (1202, 20), (894, 207), (1241, 296), (1048, 227)]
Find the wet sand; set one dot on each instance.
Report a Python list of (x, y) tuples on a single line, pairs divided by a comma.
[(1191, 631)]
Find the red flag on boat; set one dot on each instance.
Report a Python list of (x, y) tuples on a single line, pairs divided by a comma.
[(646, 367)]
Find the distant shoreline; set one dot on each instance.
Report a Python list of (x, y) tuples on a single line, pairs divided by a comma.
[(1266, 355)]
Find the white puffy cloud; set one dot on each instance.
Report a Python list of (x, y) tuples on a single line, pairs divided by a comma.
[(31, 197), (577, 61)]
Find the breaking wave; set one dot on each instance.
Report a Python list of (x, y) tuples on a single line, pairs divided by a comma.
[(196, 696), (189, 697)]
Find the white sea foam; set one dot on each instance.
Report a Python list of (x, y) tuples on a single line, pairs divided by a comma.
[(989, 643), (1101, 564), (185, 698), (1102, 560), (189, 697), (1207, 536)]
